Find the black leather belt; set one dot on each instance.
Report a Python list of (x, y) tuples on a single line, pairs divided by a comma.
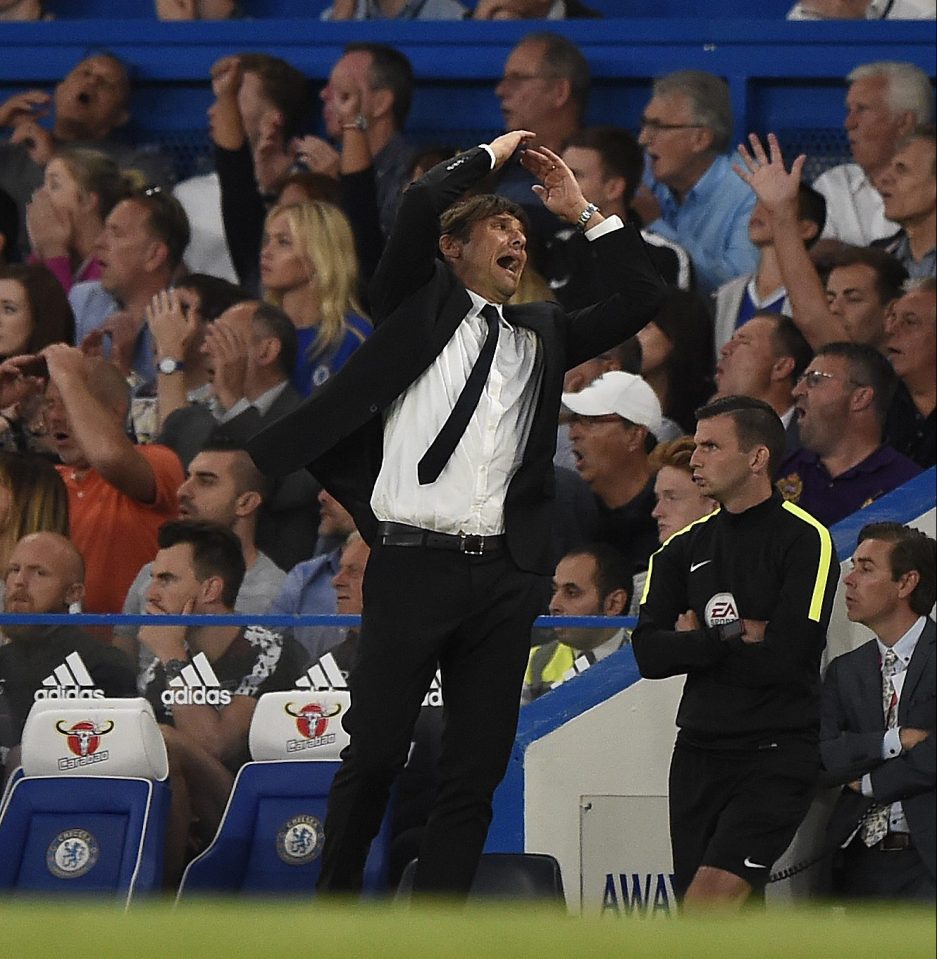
[(400, 534), (894, 841)]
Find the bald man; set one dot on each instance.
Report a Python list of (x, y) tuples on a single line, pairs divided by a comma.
[(45, 574), (119, 493)]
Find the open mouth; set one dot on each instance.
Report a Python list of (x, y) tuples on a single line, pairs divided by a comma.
[(511, 263), (84, 98), (799, 412)]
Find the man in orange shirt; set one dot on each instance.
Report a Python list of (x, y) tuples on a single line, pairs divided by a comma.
[(119, 494)]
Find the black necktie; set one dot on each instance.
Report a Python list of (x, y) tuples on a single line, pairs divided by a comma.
[(436, 457)]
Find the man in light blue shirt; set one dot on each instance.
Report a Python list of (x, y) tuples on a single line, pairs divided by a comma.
[(691, 196)]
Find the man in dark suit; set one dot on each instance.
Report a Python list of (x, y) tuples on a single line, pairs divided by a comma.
[(877, 731), (438, 437)]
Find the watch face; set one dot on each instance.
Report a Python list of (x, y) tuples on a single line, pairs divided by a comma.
[(168, 365)]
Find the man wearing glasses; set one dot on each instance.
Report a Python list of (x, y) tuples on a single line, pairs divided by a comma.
[(843, 465), (690, 195)]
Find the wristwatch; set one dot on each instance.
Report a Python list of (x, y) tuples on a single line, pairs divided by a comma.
[(360, 122), (168, 365), (586, 216), (173, 667)]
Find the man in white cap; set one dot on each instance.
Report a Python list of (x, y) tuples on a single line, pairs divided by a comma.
[(613, 427)]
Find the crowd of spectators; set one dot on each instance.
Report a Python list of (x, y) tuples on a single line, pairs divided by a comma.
[(150, 332)]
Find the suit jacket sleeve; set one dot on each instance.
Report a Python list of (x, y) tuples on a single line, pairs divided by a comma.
[(637, 294)]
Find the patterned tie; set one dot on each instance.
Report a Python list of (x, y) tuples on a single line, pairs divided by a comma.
[(436, 457), (876, 824)]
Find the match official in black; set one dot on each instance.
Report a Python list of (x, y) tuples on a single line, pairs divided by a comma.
[(739, 601), (438, 437)]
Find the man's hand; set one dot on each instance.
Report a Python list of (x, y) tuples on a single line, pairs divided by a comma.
[(36, 139), (226, 77), (173, 332), (316, 155), (558, 189), (18, 381), (773, 185), (67, 366), (165, 642), (50, 228), (910, 737), (227, 346), (24, 107), (686, 622), (504, 146), (754, 631)]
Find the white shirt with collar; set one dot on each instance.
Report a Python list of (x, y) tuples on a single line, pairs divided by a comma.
[(891, 741), (262, 404)]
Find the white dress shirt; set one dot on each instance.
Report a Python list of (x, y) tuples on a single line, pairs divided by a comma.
[(891, 741), (855, 211)]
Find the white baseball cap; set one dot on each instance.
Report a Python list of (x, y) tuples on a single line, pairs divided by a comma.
[(618, 392)]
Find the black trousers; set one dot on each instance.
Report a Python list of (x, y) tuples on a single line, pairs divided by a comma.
[(472, 615)]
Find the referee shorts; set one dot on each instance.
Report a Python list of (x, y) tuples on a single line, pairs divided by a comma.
[(738, 810)]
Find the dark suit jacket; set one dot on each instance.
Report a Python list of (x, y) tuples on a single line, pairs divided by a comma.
[(417, 304), (289, 519), (851, 730)]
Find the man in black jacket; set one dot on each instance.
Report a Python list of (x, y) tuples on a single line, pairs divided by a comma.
[(438, 437), (739, 602)]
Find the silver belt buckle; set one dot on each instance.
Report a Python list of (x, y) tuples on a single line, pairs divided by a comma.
[(472, 544)]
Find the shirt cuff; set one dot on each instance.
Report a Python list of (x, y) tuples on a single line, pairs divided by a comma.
[(608, 225), (891, 743), (490, 152), (865, 786)]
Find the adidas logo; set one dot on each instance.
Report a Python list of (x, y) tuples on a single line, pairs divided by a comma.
[(71, 680), (196, 685), (324, 675)]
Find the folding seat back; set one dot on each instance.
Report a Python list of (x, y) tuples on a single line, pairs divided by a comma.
[(88, 812), (271, 836)]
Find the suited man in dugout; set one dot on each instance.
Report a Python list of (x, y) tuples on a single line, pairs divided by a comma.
[(452, 490), (879, 740)]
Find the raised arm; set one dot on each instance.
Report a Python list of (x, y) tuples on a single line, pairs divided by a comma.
[(96, 427), (777, 189)]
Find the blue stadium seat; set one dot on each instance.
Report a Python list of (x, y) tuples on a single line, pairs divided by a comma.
[(270, 838), (88, 814)]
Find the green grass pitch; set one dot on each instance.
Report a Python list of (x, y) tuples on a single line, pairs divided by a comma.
[(308, 930)]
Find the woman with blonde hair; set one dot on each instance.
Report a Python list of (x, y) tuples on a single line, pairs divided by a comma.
[(67, 213), (309, 269), (32, 498)]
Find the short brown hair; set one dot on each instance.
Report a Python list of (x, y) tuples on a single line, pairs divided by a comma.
[(912, 550), (459, 219)]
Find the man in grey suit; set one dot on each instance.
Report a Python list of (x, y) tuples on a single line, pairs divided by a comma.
[(877, 727)]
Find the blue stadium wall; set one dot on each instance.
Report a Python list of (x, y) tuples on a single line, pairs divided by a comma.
[(783, 76)]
